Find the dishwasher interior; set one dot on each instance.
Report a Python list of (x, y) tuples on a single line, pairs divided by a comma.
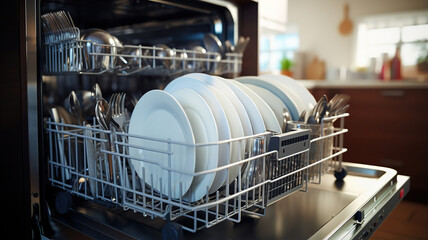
[(157, 41)]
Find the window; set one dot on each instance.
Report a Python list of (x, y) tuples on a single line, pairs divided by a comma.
[(274, 47), (277, 38), (383, 34)]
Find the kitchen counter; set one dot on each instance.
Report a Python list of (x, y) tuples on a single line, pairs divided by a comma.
[(365, 83)]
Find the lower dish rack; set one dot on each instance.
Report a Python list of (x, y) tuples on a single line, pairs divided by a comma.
[(95, 164)]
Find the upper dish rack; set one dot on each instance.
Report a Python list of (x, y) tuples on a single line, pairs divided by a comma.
[(64, 52)]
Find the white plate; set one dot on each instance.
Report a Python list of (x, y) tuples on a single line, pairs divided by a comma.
[(158, 115), (220, 118), (292, 84), (205, 130), (230, 104), (287, 97), (268, 115), (278, 107), (254, 114), (218, 83)]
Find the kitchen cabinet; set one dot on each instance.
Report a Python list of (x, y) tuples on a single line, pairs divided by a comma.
[(388, 127)]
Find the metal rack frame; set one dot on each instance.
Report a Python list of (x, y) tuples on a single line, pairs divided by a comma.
[(70, 55), (284, 170)]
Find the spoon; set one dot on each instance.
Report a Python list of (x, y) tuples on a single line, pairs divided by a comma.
[(302, 116), (285, 118), (102, 113), (213, 44), (75, 109), (315, 113), (324, 110), (242, 44), (166, 53), (96, 92), (338, 105), (229, 46), (342, 109), (199, 52)]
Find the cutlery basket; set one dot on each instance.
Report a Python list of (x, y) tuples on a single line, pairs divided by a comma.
[(95, 165), (324, 139)]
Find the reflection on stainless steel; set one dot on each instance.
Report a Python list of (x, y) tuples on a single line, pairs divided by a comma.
[(165, 53), (56, 117), (325, 109), (99, 41), (242, 44), (118, 110), (58, 26), (94, 57), (229, 47), (199, 54), (338, 105), (30, 69), (213, 44), (103, 115), (302, 116), (286, 117), (252, 172), (137, 61), (96, 93), (92, 159), (82, 104), (317, 112), (74, 107)]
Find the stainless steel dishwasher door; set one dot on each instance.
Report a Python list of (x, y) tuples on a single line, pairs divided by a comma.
[(326, 210)]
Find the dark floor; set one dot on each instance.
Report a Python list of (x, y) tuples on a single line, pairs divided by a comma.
[(408, 221)]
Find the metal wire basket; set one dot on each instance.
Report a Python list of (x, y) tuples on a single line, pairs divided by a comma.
[(70, 55), (95, 164)]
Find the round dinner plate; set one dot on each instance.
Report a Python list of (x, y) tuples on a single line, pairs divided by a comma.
[(224, 132), (257, 124), (205, 131), (234, 110), (268, 115), (293, 85), (158, 115), (218, 83), (290, 99), (278, 107)]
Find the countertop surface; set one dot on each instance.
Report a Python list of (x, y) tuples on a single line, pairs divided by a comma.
[(365, 83)]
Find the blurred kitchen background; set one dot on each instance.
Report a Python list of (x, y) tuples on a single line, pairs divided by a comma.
[(376, 51), (338, 40)]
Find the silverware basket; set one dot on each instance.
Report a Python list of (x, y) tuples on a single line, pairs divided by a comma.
[(326, 141)]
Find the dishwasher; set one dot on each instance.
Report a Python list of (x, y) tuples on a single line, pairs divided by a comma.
[(91, 177)]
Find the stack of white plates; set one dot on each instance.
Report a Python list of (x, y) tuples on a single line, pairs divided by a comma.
[(206, 110)]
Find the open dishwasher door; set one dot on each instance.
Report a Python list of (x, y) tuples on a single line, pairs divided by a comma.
[(352, 209)]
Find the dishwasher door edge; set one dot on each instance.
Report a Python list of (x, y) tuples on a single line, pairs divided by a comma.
[(373, 206)]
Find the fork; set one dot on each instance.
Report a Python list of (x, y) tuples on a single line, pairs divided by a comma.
[(119, 117), (117, 104)]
